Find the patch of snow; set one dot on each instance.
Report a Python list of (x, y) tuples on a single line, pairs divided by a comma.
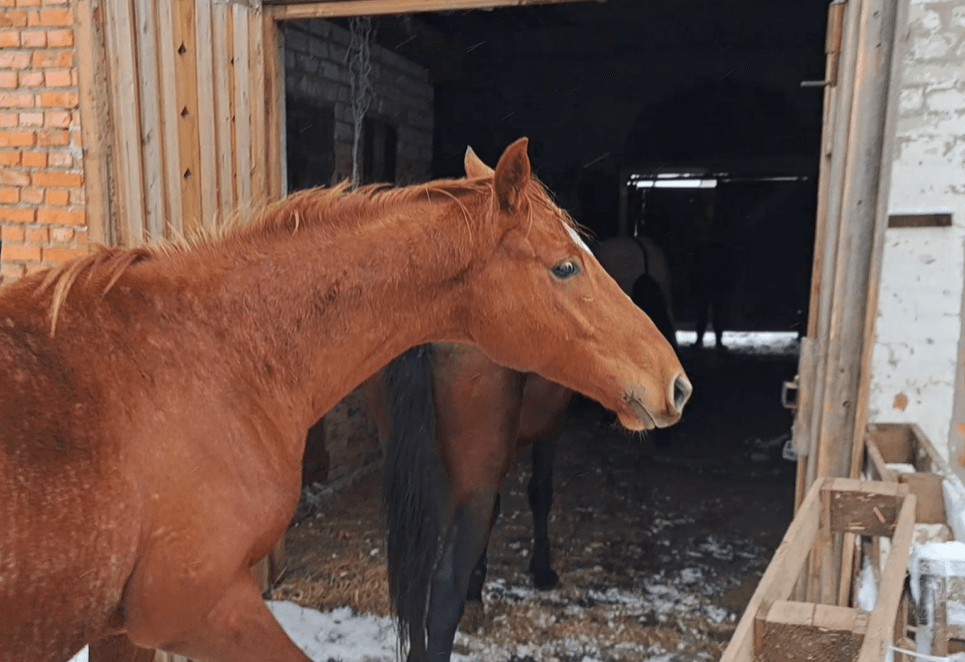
[(339, 634), (867, 588), (955, 613), (901, 467), (717, 614), (749, 342)]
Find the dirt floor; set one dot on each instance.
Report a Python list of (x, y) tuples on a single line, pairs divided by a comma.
[(658, 548)]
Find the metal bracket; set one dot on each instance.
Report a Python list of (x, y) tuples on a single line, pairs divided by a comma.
[(789, 393)]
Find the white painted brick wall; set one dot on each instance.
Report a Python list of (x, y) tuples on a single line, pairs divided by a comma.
[(917, 350)]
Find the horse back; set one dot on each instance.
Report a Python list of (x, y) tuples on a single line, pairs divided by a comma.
[(625, 258)]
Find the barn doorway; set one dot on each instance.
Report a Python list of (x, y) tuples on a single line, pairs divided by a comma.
[(615, 97)]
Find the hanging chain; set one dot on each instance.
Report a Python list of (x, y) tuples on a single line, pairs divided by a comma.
[(359, 58)]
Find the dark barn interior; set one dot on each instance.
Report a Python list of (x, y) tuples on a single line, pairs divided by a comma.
[(685, 122), (603, 89)]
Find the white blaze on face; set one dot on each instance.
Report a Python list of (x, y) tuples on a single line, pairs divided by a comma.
[(579, 240)]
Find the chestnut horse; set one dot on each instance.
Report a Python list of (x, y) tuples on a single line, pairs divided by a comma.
[(156, 401), (451, 422)]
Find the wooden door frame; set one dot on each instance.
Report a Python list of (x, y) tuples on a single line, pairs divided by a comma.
[(835, 363)]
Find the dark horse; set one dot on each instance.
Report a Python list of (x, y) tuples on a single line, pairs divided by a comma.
[(451, 422)]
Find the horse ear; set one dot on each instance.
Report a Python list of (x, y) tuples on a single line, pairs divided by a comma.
[(474, 165), (513, 173)]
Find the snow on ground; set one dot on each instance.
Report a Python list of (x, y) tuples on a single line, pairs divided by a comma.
[(759, 343), (340, 635)]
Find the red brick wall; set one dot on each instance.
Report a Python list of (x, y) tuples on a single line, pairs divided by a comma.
[(42, 217)]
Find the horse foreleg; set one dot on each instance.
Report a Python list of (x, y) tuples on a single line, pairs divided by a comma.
[(540, 502), (462, 547), (239, 628)]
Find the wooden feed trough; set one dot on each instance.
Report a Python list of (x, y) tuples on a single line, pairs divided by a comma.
[(919, 465), (776, 627)]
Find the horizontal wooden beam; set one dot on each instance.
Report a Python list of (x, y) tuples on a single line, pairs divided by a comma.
[(869, 510), (804, 631), (291, 11), (936, 220)]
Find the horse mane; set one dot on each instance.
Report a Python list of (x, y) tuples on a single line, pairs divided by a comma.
[(332, 209)]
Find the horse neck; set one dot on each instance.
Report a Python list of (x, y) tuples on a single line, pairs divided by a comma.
[(326, 309)]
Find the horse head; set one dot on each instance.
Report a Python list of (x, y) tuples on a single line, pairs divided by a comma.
[(567, 319)]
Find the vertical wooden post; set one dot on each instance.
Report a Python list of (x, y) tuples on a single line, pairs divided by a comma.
[(860, 229), (125, 117), (208, 170), (93, 85), (274, 57), (834, 149), (845, 264)]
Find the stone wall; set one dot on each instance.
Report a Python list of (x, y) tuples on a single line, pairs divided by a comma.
[(316, 70)]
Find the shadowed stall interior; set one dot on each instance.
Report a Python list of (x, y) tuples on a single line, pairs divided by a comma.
[(685, 123)]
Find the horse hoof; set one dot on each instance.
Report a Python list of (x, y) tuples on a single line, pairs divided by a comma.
[(545, 580), (473, 617)]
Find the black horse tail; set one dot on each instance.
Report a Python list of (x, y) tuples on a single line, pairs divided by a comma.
[(650, 299), (414, 481)]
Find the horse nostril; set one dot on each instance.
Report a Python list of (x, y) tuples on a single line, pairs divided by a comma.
[(681, 392)]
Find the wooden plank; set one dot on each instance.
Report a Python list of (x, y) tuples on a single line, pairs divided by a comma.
[(92, 83), (811, 367), (222, 49), (186, 82), (270, 569), (883, 69), (858, 239), (881, 624), (854, 508), (894, 442), (804, 631), (800, 432), (126, 138), (258, 157), (274, 58), (333, 8), (208, 171), (832, 42), (927, 488), (859, 245), (935, 220), (781, 574), (242, 106), (170, 141), (926, 456), (878, 463), (821, 587), (871, 510), (835, 136), (145, 22)]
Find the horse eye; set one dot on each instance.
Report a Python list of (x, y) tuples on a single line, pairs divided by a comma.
[(566, 269)]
